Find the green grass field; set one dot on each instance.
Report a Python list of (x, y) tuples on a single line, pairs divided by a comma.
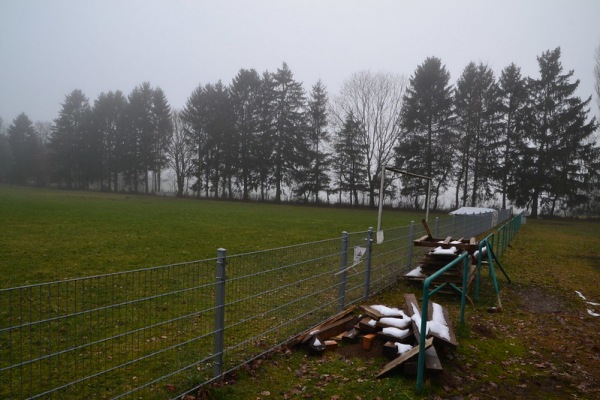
[(53, 235)]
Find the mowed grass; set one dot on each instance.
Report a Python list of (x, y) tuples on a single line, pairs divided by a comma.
[(53, 235)]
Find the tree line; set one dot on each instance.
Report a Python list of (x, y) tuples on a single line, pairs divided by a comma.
[(511, 140)]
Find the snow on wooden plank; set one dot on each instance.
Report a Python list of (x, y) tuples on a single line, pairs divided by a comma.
[(438, 321), (396, 362)]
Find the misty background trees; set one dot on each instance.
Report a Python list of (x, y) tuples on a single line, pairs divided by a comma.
[(485, 139)]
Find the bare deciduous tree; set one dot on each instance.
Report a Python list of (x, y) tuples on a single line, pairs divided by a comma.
[(375, 102), (179, 152)]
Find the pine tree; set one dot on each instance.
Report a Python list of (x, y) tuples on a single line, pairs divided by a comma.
[(266, 133), (196, 114), (109, 120), (478, 121), (245, 100), (350, 160), (559, 149), (427, 123), (318, 178), (69, 146), (289, 135), (513, 96), (139, 138), (162, 132), (26, 151)]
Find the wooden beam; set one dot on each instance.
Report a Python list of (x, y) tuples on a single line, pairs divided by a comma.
[(395, 363)]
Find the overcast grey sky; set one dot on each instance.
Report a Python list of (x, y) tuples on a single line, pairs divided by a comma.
[(50, 47)]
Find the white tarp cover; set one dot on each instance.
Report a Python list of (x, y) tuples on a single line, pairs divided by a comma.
[(477, 210), (472, 210)]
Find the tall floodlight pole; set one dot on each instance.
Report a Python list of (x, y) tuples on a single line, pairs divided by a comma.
[(429, 179)]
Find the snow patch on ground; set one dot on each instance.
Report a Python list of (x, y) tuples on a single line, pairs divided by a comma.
[(590, 311)]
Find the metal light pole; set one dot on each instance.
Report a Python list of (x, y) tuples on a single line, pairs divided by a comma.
[(429, 179)]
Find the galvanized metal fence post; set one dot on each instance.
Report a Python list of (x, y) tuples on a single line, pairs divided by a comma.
[(368, 262), (343, 267), (219, 314), (411, 238), (436, 230)]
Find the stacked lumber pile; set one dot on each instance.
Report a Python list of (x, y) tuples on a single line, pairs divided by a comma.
[(443, 252), (392, 331)]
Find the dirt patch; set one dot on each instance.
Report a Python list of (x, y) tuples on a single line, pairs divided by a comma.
[(538, 301), (483, 330), (351, 350)]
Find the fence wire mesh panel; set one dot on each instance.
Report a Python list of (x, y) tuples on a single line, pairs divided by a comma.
[(107, 336), (354, 273), (274, 295), (393, 257), (159, 332)]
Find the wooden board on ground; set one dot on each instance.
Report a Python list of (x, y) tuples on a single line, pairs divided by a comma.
[(432, 361), (327, 324), (407, 338), (452, 342), (411, 301), (371, 312), (396, 362)]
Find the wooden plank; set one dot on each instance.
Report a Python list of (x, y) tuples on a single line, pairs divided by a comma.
[(452, 342), (412, 300), (432, 361), (404, 339), (351, 336), (334, 329), (403, 358), (365, 325), (371, 312), (367, 341), (303, 337), (426, 225)]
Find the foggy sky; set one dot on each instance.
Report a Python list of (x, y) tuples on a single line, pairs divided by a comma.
[(50, 47)]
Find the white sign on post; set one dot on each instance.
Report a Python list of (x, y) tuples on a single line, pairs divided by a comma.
[(359, 252)]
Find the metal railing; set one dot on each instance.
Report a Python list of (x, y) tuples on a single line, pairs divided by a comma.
[(163, 331), (509, 230)]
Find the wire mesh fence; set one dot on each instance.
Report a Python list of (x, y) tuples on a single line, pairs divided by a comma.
[(159, 332)]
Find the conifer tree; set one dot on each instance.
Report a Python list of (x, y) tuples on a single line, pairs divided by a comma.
[(478, 122), (245, 101), (290, 132), (69, 146), (109, 120), (559, 151), (427, 122), (26, 151), (318, 178), (513, 97)]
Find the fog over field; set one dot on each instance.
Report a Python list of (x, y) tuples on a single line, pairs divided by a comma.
[(49, 48)]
